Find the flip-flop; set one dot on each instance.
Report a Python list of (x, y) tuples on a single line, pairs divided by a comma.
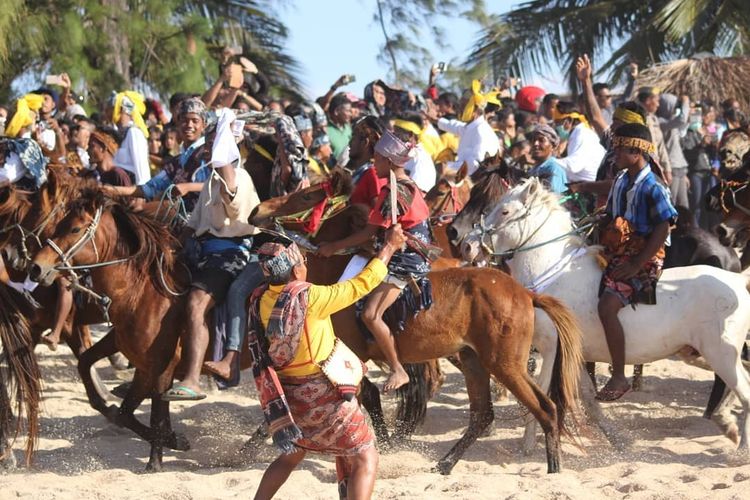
[(609, 395), (182, 393)]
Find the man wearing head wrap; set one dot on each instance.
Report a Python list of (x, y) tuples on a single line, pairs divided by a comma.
[(320, 155), (476, 137), (219, 225), (289, 172), (392, 155), (290, 334), (583, 152), (544, 143), (639, 213), (187, 171), (102, 149), (127, 115), (648, 97), (24, 116)]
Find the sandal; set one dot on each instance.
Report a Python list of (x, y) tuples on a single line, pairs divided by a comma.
[(182, 393), (609, 395)]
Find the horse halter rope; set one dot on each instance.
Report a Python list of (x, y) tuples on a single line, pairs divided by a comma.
[(26, 234), (733, 187)]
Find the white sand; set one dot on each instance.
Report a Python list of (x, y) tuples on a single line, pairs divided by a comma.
[(668, 450)]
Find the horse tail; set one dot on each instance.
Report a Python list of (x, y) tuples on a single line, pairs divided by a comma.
[(569, 357), (22, 372), (424, 381)]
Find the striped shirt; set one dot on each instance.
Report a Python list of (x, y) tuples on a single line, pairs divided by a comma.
[(644, 202)]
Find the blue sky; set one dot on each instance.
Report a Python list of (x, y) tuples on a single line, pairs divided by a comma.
[(333, 37)]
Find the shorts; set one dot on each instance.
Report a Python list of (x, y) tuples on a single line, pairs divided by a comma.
[(215, 282)]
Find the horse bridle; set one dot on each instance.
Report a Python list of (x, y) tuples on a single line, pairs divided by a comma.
[(733, 187), (26, 234), (437, 216)]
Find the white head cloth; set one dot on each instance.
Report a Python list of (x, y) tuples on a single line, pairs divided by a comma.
[(225, 151)]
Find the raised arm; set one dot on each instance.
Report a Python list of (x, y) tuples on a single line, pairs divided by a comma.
[(583, 70)]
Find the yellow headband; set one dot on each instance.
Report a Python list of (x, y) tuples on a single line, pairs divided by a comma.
[(626, 116), (478, 100), (558, 117), (26, 108), (408, 126), (138, 110), (633, 142)]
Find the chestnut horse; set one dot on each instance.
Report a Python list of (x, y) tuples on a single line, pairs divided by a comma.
[(445, 200), (131, 259), (489, 322)]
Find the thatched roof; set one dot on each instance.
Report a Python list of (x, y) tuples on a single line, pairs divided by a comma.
[(714, 78)]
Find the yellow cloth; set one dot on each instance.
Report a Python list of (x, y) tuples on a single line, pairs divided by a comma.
[(478, 99), (558, 117), (138, 110), (408, 126), (432, 143), (25, 115), (316, 343), (627, 116), (314, 167)]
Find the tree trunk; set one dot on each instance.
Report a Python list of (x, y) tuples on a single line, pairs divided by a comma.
[(119, 54)]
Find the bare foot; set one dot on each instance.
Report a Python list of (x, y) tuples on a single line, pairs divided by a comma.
[(219, 368), (398, 378), (614, 390), (51, 340)]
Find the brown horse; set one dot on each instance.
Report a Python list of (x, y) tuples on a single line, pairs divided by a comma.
[(445, 200), (489, 323), (131, 259)]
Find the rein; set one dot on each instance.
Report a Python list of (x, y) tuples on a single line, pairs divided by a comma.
[(35, 234), (172, 203), (733, 187)]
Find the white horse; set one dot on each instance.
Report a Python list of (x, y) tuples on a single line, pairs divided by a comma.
[(698, 306)]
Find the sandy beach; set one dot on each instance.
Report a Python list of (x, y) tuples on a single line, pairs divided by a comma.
[(664, 449)]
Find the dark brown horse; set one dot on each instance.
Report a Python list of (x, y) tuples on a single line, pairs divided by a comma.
[(489, 323)]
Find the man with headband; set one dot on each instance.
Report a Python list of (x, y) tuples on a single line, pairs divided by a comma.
[(639, 215), (411, 263), (186, 171), (420, 168), (544, 143), (102, 150), (290, 336)]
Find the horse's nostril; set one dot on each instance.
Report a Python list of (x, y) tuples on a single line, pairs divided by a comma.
[(452, 233), (35, 271)]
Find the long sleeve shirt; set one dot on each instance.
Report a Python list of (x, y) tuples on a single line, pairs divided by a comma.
[(475, 141), (673, 129), (316, 342), (584, 156)]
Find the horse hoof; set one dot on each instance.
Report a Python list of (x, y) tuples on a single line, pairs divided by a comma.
[(637, 385), (178, 442), (112, 412), (443, 468), (8, 462), (153, 468), (121, 390)]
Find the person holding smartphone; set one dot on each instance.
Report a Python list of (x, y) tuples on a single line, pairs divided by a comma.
[(700, 146)]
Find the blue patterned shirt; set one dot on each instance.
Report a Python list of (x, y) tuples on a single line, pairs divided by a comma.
[(643, 202)]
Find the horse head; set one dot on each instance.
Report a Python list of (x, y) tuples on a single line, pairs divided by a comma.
[(449, 196), (338, 183), (74, 236), (732, 197), (489, 186)]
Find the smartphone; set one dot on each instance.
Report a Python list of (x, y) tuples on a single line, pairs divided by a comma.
[(53, 80), (236, 78), (349, 79), (238, 126), (441, 67)]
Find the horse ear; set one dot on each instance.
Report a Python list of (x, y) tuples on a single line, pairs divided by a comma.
[(530, 189), (462, 172)]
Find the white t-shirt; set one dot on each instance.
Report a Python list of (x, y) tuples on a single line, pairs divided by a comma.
[(475, 141), (422, 169), (133, 155), (584, 156)]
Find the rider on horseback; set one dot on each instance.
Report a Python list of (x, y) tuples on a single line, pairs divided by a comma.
[(391, 154), (639, 213)]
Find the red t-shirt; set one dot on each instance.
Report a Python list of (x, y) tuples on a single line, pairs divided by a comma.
[(409, 216), (368, 188)]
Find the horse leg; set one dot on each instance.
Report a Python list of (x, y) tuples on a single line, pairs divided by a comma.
[(100, 350), (370, 398), (160, 430), (723, 417), (7, 457), (637, 384), (546, 345), (141, 388), (481, 412), (531, 396), (591, 370)]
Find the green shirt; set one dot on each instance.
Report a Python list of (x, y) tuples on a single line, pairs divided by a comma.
[(340, 137)]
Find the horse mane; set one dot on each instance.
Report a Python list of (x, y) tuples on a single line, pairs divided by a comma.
[(341, 182), (148, 241), (488, 188)]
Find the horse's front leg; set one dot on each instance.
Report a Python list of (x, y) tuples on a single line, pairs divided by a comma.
[(161, 431), (94, 390)]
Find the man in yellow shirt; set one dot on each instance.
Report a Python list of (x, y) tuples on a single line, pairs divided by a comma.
[(290, 335)]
